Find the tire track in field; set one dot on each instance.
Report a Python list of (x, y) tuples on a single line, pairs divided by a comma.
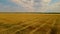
[(15, 26), (28, 26), (41, 24), (19, 26), (57, 25), (31, 25), (52, 26), (39, 27)]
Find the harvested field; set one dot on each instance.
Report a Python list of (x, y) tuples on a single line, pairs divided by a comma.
[(29, 23)]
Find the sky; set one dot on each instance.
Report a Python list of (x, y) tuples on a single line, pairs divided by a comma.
[(29, 5)]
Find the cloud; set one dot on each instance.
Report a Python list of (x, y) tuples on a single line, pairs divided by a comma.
[(20, 2), (29, 4), (44, 5), (8, 8), (46, 1), (54, 7), (24, 5)]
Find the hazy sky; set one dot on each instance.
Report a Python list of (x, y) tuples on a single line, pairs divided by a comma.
[(29, 6)]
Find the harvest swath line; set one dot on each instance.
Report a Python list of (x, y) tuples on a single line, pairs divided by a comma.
[(52, 25), (28, 26), (57, 25), (25, 23), (19, 24), (39, 27), (24, 27), (16, 26)]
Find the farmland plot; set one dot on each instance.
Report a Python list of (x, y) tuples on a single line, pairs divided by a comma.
[(29, 24)]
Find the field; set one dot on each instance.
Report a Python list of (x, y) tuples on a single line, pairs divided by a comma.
[(16, 23)]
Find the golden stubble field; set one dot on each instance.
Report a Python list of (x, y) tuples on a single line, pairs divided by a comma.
[(29, 23)]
